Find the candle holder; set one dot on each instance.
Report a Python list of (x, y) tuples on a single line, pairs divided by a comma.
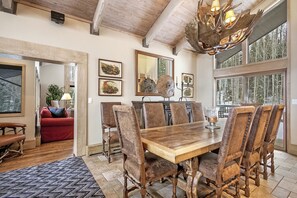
[(212, 119), (181, 89)]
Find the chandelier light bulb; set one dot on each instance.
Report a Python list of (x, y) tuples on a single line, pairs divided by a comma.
[(215, 6), (230, 17)]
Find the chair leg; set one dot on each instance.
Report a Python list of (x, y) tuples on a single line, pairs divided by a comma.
[(109, 150), (219, 192), (257, 170), (247, 181), (143, 191), (174, 183), (237, 188), (125, 190), (272, 162), (265, 175)]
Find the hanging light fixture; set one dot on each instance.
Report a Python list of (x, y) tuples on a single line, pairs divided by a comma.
[(217, 28)]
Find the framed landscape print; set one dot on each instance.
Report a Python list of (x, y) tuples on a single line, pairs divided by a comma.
[(188, 92), (12, 89), (109, 68), (188, 79), (109, 87)]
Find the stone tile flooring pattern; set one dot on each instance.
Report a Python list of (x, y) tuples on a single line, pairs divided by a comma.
[(109, 177)]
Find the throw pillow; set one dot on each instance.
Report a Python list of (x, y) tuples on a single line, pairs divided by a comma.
[(57, 112)]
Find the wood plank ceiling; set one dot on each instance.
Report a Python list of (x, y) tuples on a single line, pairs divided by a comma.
[(159, 20)]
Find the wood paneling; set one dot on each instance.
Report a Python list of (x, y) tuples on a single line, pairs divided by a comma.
[(134, 16), (81, 10)]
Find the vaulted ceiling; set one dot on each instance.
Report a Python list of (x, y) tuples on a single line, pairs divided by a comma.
[(154, 20)]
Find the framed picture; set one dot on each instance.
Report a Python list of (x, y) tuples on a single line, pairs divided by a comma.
[(12, 89), (188, 79), (109, 87), (188, 92), (109, 68)]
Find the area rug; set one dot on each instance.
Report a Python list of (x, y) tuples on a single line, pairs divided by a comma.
[(66, 178)]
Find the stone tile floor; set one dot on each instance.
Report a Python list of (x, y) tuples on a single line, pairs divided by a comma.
[(109, 177)]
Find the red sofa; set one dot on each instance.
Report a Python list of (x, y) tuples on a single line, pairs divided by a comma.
[(55, 129)]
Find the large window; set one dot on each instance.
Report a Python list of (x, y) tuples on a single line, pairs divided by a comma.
[(271, 46), (230, 91)]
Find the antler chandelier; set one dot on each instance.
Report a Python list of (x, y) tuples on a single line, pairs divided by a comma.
[(217, 28)]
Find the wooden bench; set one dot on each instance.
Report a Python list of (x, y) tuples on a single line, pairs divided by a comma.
[(11, 133)]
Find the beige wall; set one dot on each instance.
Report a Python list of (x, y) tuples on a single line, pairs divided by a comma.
[(29, 117), (50, 74), (110, 45), (204, 80), (292, 5)]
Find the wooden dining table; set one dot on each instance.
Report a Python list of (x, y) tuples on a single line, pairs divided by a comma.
[(184, 143)]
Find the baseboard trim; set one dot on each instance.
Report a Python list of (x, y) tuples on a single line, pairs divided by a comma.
[(292, 149), (94, 149), (30, 144)]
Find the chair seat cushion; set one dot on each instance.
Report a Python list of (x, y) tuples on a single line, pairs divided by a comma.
[(208, 166), (114, 137), (11, 138), (155, 167), (253, 159)]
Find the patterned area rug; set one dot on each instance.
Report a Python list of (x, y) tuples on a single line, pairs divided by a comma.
[(66, 178)]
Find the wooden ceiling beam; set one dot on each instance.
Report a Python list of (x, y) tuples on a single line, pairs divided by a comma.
[(179, 46), (167, 12), (8, 6), (98, 16)]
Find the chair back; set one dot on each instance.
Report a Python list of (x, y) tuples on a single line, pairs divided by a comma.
[(274, 121), (130, 139), (154, 115), (197, 112), (107, 116), (235, 135), (179, 113), (259, 128)]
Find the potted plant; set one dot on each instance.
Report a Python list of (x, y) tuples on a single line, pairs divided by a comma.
[(54, 93)]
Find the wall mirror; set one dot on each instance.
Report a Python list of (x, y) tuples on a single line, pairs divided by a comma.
[(12, 85), (149, 67)]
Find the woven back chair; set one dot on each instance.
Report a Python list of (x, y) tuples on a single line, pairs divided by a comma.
[(197, 112), (223, 169), (139, 167), (179, 113), (109, 134), (251, 159), (154, 115), (270, 137)]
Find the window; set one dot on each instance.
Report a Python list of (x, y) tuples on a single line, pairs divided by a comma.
[(271, 46), (229, 91), (229, 58)]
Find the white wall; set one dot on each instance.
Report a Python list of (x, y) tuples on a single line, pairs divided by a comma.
[(35, 26), (205, 80), (50, 74), (293, 68), (29, 117)]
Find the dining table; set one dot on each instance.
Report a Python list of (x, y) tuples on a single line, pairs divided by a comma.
[(183, 144)]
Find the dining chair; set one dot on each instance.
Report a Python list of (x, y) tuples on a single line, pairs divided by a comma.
[(140, 167), (154, 115), (109, 133), (251, 158), (223, 169), (179, 113), (197, 112), (270, 137)]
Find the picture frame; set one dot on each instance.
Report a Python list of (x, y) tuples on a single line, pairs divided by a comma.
[(188, 92), (109, 68), (110, 87), (12, 89), (188, 79)]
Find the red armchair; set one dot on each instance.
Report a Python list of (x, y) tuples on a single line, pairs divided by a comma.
[(55, 129)]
